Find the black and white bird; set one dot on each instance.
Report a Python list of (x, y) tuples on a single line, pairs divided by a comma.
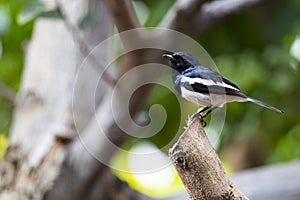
[(204, 86)]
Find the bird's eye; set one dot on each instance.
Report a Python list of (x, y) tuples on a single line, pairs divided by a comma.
[(178, 58)]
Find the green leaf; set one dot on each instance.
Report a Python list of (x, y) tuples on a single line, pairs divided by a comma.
[(142, 11), (123, 162), (30, 11), (37, 9), (86, 20), (295, 49), (4, 19), (3, 144), (1, 49)]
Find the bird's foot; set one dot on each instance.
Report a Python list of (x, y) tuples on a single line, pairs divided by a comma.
[(204, 123), (200, 117), (195, 115)]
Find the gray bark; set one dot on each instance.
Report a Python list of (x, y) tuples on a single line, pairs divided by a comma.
[(199, 167), (46, 121)]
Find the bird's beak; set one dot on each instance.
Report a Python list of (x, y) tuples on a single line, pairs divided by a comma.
[(168, 56)]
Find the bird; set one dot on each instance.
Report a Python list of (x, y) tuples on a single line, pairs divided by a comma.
[(204, 86)]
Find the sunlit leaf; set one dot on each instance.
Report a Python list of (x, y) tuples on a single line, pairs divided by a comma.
[(36, 9), (30, 11), (295, 49), (4, 19), (142, 11), (1, 49), (288, 147), (3, 145), (156, 183)]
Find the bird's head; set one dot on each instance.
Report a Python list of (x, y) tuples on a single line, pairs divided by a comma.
[(180, 61)]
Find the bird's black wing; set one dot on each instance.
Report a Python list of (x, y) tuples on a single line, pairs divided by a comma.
[(230, 83), (208, 74), (212, 89), (221, 85)]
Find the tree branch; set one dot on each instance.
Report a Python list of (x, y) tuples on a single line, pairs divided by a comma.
[(181, 14), (82, 46), (125, 18), (200, 168), (216, 11), (209, 14), (123, 14), (7, 93)]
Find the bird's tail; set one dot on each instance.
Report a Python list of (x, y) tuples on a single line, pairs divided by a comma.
[(260, 103)]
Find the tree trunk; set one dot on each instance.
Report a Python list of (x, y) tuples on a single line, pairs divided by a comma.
[(44, 130)]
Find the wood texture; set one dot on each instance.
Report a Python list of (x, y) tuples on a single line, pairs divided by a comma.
[(199, 167)]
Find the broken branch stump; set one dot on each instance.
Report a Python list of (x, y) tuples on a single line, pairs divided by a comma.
[(200, 168)]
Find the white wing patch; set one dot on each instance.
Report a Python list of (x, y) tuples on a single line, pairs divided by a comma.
[(195, 97), (206, 82), (209, 99)]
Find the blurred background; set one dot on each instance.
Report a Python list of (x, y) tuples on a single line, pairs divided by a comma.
[(258, 49)]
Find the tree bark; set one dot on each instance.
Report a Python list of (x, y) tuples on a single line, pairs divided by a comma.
[(199, 167), (44, 130)]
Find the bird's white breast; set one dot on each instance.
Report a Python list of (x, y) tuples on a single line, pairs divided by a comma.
[(195, 97), (209, 99)]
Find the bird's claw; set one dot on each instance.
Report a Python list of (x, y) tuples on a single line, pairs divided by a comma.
[(204, 123), (200, 117)]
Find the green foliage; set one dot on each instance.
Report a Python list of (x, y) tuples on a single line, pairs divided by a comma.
[(30, 11), (141, 10), (13, 38), (36, 8), (287, 148), (158, 9), (168, 100), (3, 145), (146, 182)]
